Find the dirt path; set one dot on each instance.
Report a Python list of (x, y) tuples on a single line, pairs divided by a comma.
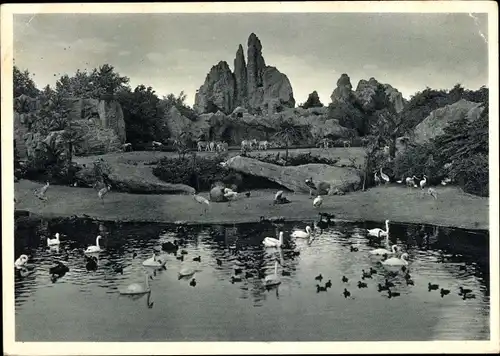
[(453, 208)]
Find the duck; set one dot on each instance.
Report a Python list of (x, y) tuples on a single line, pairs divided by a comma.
[(393, 294), (273, 279), (218, 261), (345, 279), (272, 242), (197, 259), (96, 248), (388, 284), (91, 264), (373, 271), (362, 285), (248, 275), (328, 284), (137, 288), (432, 286), (153, 262), (235, 278), (318, 278), (365, 274), (379, 232), (444, 292), (192, 283), (394, 261), (59, 269), (21, 262), (301, 234), (320, 288), (346, 293), (382, 288), (322, 224), (354, 249), (286, 273), (53, 242), (186, 272), (184, 252), (468, 296), (410, 282), (464, 291), (180, 258), (317, 201)]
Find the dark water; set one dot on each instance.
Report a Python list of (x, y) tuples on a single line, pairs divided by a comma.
[(86, 306)]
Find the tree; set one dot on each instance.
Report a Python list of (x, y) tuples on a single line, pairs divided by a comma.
[(289, 133), (24, 84)]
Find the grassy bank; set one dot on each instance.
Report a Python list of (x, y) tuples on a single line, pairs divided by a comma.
[(453, 208)]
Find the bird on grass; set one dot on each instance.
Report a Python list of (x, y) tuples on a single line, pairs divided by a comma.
[(432, 192), (280, 199), (40, 194), (201, 200), (385, 177), (103, 191), (423, 182), (318, 201), (354, 249)]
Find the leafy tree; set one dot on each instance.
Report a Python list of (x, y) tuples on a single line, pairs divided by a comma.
[(312, 101), (288, 133), (179, 102), (24, 84)]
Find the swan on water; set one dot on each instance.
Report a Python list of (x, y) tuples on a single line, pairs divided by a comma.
[(272, 242), (186, 272), (301, 234), (376, 231), (153, 262), (394, 261), (137, 288), (383, 251), (95, 248), (52, 242), (21, 261), (273, 279)]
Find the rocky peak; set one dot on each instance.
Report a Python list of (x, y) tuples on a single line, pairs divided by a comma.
[(372, 95), (256, 63), (343, 91), (240, 76)]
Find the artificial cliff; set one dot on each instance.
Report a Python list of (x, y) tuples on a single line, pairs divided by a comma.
[(100, 122), (253, 85)]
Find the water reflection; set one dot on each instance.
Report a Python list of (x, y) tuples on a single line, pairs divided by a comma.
[(228, 284)]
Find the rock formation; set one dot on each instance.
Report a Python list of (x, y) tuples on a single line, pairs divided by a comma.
[(340, 178), (312, 101), (253, 85), (373, 95), (434, 124), (343, 92)]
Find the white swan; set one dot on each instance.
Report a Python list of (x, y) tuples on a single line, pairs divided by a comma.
[(272, 242), (52, 242), (394, 261), (301, 234), (317, 201), (137, 288), (186, 272), (95, 248), (153, 262), (273, 279), (376, 231), (21, 261), (383, 251)]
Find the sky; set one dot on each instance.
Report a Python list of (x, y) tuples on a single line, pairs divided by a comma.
[(174, 52)]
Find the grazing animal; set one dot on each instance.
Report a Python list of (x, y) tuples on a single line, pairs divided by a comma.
[(96, 247), (312, 187), (317, 201), (346, 293), (319, 278), (379, 232), (201, 200), (52, 242)]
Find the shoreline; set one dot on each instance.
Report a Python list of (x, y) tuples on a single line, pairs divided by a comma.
[(453, 208)]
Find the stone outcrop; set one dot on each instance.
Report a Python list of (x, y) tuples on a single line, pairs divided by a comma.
[(372, 95), (133, 179), (343, 92), (101, 122), (339, 178), (434, 124), (254, 85)]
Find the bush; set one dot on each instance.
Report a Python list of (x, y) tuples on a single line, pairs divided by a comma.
[(295, 160)]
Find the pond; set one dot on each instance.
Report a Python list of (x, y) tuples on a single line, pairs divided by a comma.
[(85, 305)]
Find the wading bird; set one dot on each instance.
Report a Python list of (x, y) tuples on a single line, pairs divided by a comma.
[(201, 200), (40, 194), (103, 191), (385, 177)]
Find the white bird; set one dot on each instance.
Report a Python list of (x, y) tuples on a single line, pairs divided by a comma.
[(201, 200), (445, 181), (137, 288), (317, 201), (301, 234), (278, 195), (41, 193), (309, 182), (410, 181), (153, 262), (383, 251), (432, 192), (231, 195), (423, 182), (384, 176), (394, 261), (52, 242), (400, 181), (96, 248), (186, 272), (272, 242), (228, 190), (21, 261), (101, 193), (379, 232), (273, 279), (377, 179)]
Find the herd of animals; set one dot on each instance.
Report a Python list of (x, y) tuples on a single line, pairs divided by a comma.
[(391, 257)]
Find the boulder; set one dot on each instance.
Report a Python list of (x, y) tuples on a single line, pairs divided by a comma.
[(438, 119), (133, 179), (293, 177), (217, 194)]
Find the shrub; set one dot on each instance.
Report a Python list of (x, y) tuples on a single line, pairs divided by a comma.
[(296, 160)]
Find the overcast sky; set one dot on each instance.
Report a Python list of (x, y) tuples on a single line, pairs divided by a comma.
[(174, 52)]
